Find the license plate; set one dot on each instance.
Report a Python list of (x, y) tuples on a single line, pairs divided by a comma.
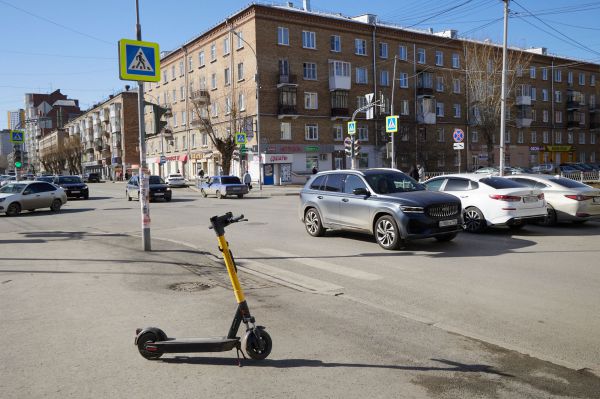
[(446, 223), (235, 189), (596, 200), (159, 194), (530, 199), (74, 191)]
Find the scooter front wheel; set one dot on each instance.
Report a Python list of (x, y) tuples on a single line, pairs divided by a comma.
[(257, 344), (141, 344)]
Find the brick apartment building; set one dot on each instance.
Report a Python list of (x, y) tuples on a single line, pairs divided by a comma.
[(109, 134), (43, 114), (314, 70)]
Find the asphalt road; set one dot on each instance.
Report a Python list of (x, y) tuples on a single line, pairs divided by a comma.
[(407, 316)]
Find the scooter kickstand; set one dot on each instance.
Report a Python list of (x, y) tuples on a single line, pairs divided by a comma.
[(237, 352)]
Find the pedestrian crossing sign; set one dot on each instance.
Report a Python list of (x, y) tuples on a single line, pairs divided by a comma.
[(351, 128), (391, 124), (139, 61), (17, 136), (240, 138)]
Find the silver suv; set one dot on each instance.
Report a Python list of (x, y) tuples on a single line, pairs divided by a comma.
[(384, 202)]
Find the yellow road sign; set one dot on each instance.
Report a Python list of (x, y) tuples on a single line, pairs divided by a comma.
[(139, 61)]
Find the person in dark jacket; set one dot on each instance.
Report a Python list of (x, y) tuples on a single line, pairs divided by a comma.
[(414, 172), (314, 170)]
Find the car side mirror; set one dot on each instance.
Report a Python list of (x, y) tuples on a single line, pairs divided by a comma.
[(361, 191), (26, 192)]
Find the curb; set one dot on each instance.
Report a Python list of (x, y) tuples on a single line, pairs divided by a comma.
[(263, 193)]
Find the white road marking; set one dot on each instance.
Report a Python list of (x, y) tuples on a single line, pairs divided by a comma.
[(322, 265)]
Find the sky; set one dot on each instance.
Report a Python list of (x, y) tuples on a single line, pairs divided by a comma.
[(71, 45)]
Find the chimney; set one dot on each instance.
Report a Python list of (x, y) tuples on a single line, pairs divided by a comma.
[(306, 5), (127, 87), (290, 4)]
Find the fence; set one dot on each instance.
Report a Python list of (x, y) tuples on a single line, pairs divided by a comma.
[(584, 177)]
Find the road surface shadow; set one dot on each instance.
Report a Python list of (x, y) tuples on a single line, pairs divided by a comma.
[(37, 212)]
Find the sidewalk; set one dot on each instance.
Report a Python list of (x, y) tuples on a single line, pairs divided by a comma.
[(267, 191)]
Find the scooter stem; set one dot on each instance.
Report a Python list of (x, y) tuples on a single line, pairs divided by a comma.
[(229, 263)]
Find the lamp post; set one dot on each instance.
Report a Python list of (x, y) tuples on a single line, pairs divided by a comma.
[(257, 81)]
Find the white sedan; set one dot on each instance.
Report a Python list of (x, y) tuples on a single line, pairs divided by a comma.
[(175, 180), (568, 200), (492, 200)]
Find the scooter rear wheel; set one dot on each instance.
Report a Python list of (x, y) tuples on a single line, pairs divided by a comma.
[(257, 344), (141, 343)]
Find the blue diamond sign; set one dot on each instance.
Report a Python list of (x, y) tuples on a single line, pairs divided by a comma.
[(17, 136), (391, 124), (139, 61)]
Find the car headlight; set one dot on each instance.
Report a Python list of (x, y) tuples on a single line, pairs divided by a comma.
[(85, 187), (168, 189), (411, 209)]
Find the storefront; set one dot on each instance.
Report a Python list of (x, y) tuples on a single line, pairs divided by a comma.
[(277, 168)]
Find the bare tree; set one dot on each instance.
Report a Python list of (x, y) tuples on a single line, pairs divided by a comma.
[(73, 152), (3, 162), (483, 70)]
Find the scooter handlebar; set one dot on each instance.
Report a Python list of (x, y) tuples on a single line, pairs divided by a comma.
[(218, 223)]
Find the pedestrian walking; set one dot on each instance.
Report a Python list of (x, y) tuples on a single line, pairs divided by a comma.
[(421, 172), (314, 170), (414, 172), (247, 179)]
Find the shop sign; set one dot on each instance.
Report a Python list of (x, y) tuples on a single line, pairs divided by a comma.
[(277, 158), (534, 148), (312, 148), (559, 148)]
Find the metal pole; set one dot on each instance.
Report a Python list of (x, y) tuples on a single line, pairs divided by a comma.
[(392, 114), (260, 171), (503, 91), (142, 177)]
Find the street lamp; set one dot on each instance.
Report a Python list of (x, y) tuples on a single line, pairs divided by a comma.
[(257, 81)]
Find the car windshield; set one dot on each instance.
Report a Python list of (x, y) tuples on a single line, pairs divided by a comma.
[(156, 180), (568, 183), (230, 180), (500, 182), (392, 182), (69, 180), (13, 188), (175, 176), (47, 179)]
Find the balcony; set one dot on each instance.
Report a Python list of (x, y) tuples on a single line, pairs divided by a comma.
[(286, 80), (425, 91), (339, 82), (523, 100), (284, 110), (200, 121), (340, 113), (98, 144), (572, 123), (523, 122), (200, 96), (594, 124), (573, 105), (592, 108)]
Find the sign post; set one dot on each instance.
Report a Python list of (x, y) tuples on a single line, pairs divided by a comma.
[(391, 126), (140, 61), (458, 135)]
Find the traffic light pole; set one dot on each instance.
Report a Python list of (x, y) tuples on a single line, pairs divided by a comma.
[(142, 177), (361, 109)]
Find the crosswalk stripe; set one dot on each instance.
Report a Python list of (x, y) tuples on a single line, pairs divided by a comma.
[(322, 265)]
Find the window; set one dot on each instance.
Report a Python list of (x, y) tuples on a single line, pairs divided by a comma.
[(173, 72), (183, 118), (570, 137), (439, 83), (557, 75), (240, 71), (592, 80), (361, 101), (213, 81), (544, 94), (363, 133), (383, 50), (581, 137), (174, 93), (311, 131), (339, 68), (558, 96), (455, 60), (227, 105), (214, 109), (558, 116), (581, 79), (165, 75), (201, 59), (533, 137), (507, 137), (190, 63), (181, 68), (421, 55), (309, 39), (544, 73), (520, 137), (533, 115), (182, 93), (474, 137), (226, 47), (570, 77), (440, 135), (227, 76), (335, 43), (439, 58), (241, 102), (310, 71), (283, 36), (384, 78), (532, 72), (439, 109), (204, 139), (404, 107), (533, 94), (456, 108), (592, 138), (338, 132), (175, 119), (286, 130), (545, 115), (403, 79), (361, 76), (240, 39), (193, 144), (456, 85), (310, 100), (519, 71), (360, 47), (213, 52), (402, 53), (592, 101)]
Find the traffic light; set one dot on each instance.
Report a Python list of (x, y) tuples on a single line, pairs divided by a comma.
[(18, 158), (348, 146), (159, 113), (356, 147)]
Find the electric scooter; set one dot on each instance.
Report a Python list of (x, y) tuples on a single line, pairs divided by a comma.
[(256, 343)]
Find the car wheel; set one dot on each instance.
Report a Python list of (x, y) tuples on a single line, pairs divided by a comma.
[(55, 206), (87, 196), (13, 209), (204, 195), (168, 199), (387, 233), (219, 195), (312, 222), (446, 237), (474, 222), (550, 219), (240, 195)]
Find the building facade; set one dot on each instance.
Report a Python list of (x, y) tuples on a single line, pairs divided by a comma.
[(314, 70), (16, 119), (109, 136)]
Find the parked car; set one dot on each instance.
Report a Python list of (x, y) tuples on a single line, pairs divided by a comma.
[(222, 186), (73, 186), (386, 203), (30, 195), (47, 179), (492, 200), (568, 200), (158, 189), (91, 178), (568, 168), (7, 180), (175, 180), (543, 168)]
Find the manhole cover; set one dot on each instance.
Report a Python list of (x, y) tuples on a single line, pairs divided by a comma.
[(189, 287)]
